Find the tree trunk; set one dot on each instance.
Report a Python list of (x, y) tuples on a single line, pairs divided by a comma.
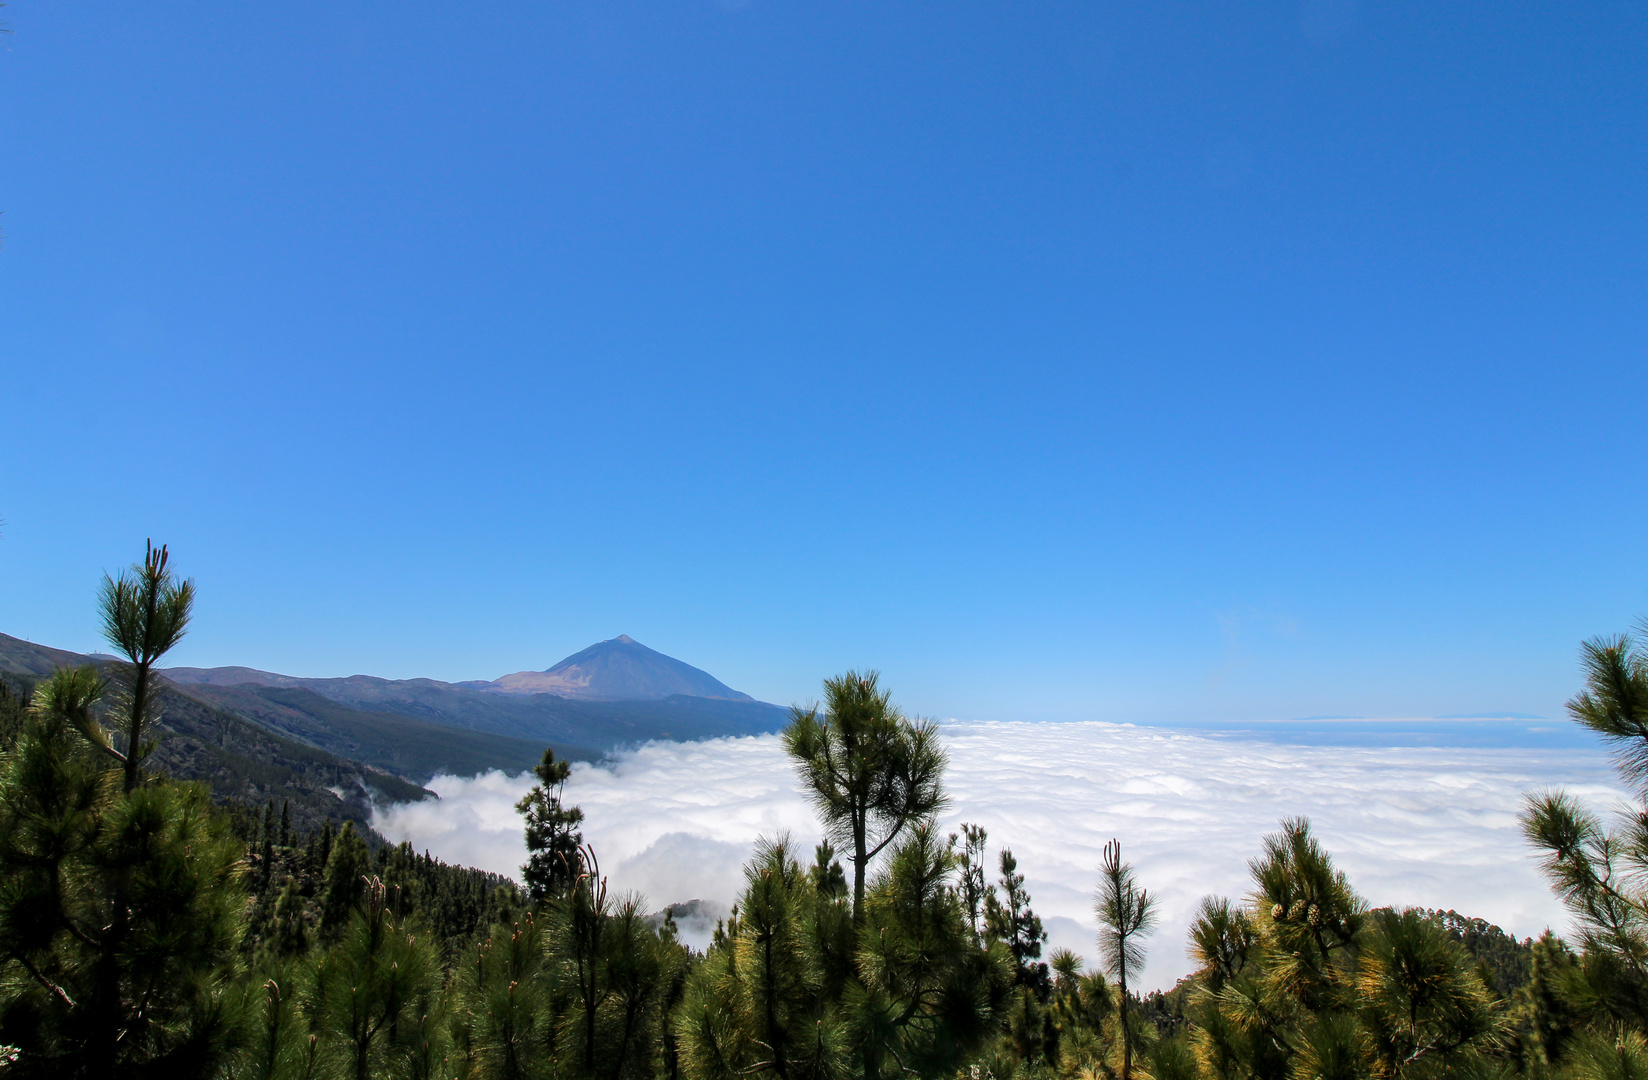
[(1127, 1032), (134, 724), (860, 859)]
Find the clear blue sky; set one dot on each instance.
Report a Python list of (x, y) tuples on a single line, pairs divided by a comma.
[(1124, 360)]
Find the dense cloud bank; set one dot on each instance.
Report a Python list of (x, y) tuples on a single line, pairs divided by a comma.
[(1428, 826)]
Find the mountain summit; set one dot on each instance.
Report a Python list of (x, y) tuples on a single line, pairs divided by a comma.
[(621, 669)]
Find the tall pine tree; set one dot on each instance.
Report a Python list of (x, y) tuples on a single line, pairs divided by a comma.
[(870, 772), (552, 836)]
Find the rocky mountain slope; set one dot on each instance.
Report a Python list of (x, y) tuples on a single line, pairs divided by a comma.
[(621, 669)]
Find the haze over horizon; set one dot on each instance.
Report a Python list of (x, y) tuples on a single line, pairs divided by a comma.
[(1089, 361)]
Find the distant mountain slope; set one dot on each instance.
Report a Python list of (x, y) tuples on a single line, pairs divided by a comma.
[(34, 662), (575, 727), (418, 749), (621, 669), (333, 746), (234, 756)]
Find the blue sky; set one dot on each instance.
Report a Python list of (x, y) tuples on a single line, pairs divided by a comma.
[(1106, 360)]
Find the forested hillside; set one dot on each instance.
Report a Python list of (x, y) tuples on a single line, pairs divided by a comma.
[(577, 728), (237, 759), (417, 749), (384, 742)]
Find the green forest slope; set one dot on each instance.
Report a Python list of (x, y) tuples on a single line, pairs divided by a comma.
[(597, 726), (418, 749), (408, 746)]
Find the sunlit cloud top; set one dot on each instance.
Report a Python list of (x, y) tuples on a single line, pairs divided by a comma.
[(1429, 826)]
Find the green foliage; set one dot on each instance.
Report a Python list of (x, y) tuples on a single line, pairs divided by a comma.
[(1127, 913), (119, 909), (618, 971), (1592, 870), (1085, 1016), (928, 998), (974, 889), (1420, 998), (1222, 940), (869, 772), (760, 1003), (1304, 981), (1543, 1015), (1588, 1013), (552, 836), (290, 935), (920, 996), (506, 990), (1504, 962), (1009, 920), (1173, 1059), (376, 1001), (277, 1041), (145, 613), (13, 711), (1614, 703), (1596, 1056), (345, 882)]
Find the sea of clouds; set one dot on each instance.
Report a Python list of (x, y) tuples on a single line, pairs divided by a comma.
[(1428, 826)]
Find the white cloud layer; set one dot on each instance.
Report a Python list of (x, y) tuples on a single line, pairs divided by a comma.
[(1431, 826)]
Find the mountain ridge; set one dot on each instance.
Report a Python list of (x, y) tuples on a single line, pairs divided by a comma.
[(593, 723), (236, 757), (618, 669)]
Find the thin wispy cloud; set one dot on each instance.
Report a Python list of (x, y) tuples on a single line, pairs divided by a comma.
[(1430, 826)]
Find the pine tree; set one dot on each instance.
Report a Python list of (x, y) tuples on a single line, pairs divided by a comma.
[(1011, 921), (289, 934), (759, 1005), (266, 865), (120, 896), (1544, 1015), (831, 921), (1126, 914), (1593, 869), (1305, 981), (145, 613), (870, 773), (505, 990), (345, 882), (377, 1002), (1083, 1013), (13, 713), (280, 1045), (638, 967), (613, 972), (975, 890), (552, 836), (930, 999), (827, 876), (1420, 999)]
